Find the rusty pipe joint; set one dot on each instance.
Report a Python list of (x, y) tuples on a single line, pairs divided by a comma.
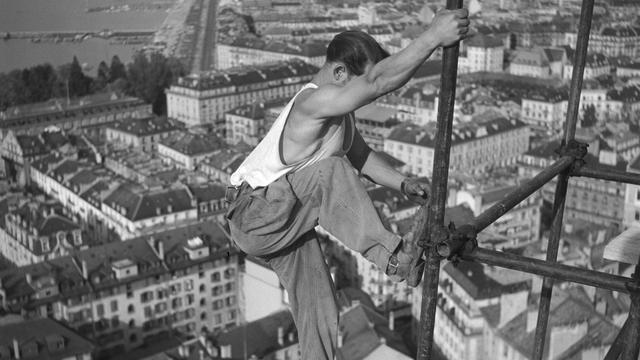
[(453, 242), (575, 149)]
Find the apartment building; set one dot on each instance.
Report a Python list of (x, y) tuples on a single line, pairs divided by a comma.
[(186, 150), (416, 104), (518, 227), (375, 123), (545, 109), (244, 51), (475, 146), (205, 98), (482, 53), (142, 133), (249, 123), (593, 200), (88, 111), (463, 291), (612, 40), (34, 231), (595, 65), (126, 294)]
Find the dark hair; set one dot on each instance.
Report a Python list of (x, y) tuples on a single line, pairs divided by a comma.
[(355, 48)]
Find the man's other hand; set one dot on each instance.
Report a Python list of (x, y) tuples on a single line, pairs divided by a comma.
[(416, 189), (450, 26)]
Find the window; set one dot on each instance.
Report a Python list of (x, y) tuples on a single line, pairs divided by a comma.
[(215, 277), (190, 299), (148, 312), (188, 285), (131, 309), (114, 305), (637, 215), (202, 288)]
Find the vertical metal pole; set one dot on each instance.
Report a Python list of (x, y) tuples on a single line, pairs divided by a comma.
[(439, 176), (632, 339), (563, 179)]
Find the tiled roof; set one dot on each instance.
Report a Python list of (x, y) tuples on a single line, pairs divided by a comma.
[(628, 94), (376, 113), (193, 144), (49, 339), (311, 48), (248, 75), (31, 145), (260, 336), (532, 57), (566, 309), (256, 110), (144, 127), (207, 192), (59, 106), (138, 205), (423, 136), (484, 41), (472, 278), (363, 330), (394, 199)]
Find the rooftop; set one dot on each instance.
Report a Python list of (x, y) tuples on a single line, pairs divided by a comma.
[(144, 127), (425, 136), (247, 75), (44, 339), (193, 144)]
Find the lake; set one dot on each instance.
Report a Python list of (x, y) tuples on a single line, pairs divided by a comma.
[(67, 15)]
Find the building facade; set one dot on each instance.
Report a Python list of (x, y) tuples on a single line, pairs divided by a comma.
[(199, 100), (127, 294), (474, 148)]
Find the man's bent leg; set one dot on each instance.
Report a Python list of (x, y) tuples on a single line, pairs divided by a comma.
[(344, 208), (305, 275)]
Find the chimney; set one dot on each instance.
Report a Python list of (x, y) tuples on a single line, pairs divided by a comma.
[(280, 335), (85, 270), (392, 320), (532, 319), (16, 349), (160, 250), (28, 278), (340, 338)]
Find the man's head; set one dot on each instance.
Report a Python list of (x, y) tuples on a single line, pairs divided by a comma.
[(350, 53)]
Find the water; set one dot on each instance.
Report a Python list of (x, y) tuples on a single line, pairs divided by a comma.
[(56, 15), (67, 15)]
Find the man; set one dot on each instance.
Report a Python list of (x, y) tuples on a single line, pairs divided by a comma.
[(297, 177)]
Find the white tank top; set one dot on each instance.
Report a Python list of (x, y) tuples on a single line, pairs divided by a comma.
[(264, 164)]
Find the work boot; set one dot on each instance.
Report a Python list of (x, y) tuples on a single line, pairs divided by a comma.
[(406, 261)]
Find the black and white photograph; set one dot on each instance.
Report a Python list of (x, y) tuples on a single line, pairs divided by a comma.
[(320, 179)]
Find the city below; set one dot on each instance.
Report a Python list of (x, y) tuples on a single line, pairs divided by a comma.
[(121, 122)]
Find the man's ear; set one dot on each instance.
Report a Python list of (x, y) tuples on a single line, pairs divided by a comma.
[(339, 72)]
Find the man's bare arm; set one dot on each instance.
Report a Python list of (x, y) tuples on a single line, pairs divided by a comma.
[(372, 166), (391, 73), (375, 168)]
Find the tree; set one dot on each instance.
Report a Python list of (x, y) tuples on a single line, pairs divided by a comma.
[(79, 84), (117, 69), (149, 76), (589, 118), (102, 78)]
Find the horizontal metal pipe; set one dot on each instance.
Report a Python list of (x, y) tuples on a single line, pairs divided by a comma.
[(554, 270), (520, 193), (613, 175)]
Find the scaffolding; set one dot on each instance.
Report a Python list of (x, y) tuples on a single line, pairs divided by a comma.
[(459, 242)]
